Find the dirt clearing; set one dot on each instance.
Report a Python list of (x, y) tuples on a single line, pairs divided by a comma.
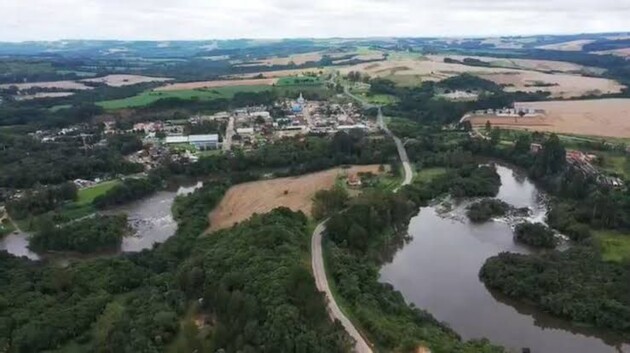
[(243, 200), (218, 83), (602, 117), (125, 80)]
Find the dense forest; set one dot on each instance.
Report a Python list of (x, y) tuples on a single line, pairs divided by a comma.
[(128, 303), (575, 284), (486, 209), (295, 156), (128, 190), (41, 199), (26, 161), (535, 234), (99, 233)]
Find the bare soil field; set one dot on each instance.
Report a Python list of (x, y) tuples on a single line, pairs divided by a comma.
[(624, 53), (218, 83), (602, 117), (574, 45), (69, 85), (125, 80), (243, 200)]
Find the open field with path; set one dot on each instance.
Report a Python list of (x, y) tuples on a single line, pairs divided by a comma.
[(125, 80), (603, 117), (243, 200)]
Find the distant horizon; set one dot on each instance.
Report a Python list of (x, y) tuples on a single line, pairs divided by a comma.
[(472, 37), (165, 20)]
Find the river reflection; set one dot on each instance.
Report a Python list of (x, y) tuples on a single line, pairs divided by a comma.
[(150, 219), (438, 271)]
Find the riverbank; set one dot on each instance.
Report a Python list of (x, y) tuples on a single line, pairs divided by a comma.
[(438, 271)]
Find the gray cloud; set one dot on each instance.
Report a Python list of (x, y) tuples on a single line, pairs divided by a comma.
[(210, 19)]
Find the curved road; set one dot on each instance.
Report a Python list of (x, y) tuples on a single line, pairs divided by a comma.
[(317, 258)]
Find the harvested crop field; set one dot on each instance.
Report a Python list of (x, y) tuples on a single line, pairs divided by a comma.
[(69, 85), (600, 117), (40, 95), (624, 52), (243, 200), (574, 45), (218, 83), (125, 80), (564, 85), (409, 72)]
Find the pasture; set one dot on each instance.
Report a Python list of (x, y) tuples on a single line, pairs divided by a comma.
[(149, 97), (87, 195), (614, 246)]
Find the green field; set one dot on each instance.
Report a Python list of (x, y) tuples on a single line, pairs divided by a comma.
[(428, 174), (615, 246), (87, 195), (148, 97), (299, 81), (381, 99)]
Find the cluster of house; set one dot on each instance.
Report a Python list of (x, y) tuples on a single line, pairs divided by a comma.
[(583, 163), (517, 112), (251, 126)]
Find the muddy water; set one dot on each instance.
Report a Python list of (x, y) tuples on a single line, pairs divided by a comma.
[(438, 271), (150, 219)]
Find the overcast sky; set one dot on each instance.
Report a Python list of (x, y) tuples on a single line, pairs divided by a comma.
[(220, 19)]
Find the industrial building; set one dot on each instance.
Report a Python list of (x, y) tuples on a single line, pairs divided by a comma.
[(201, 142)]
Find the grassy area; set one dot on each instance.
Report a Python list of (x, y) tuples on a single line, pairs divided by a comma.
[(381, 99), (295, 81), (209, 153), (615, 246), (59, 107), (6, 228), (87, 195), (428, 174), (615, 163), (148, 97)]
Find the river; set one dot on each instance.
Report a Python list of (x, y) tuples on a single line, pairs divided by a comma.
[(150, 219), (438, 271)]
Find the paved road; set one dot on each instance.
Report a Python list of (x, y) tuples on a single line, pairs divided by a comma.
[(319, 271), (317, 258)]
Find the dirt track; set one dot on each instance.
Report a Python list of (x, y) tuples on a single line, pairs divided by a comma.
[(243, 200)]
